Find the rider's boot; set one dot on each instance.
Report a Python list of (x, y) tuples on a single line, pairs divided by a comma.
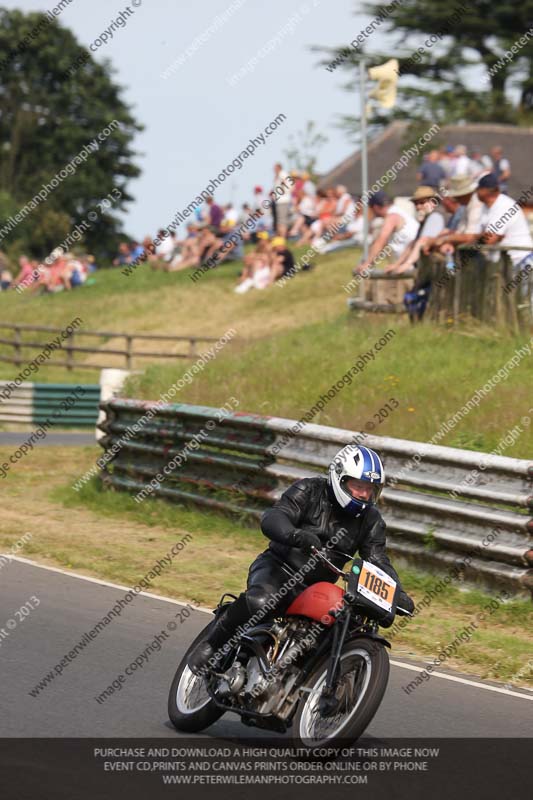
[(208, 653)]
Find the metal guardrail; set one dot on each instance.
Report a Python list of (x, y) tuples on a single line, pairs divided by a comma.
[(245, 462), (69, 348), (35, 403)]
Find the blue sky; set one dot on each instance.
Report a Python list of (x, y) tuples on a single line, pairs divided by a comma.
[(196, 121)]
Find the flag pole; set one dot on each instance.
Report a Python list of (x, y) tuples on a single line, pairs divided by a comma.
[(364, 154)]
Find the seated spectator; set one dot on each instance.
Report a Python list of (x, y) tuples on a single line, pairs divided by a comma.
[(6, 279), (431, 219), (431, 173), (26, 275), (216, 214), (124, 255), (326, 206), (231, 217), (398, 230), (163, 253), (256, 273), (307, 214), (283, 259)]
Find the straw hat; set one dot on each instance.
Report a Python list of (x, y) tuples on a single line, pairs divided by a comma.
[(424, 193), (461, 185)]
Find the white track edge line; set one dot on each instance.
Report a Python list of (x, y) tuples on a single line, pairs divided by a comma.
[(401, 664), (479, 685), (102, 582)]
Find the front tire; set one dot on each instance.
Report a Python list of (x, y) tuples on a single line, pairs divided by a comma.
[(364, 674), (190, 707)]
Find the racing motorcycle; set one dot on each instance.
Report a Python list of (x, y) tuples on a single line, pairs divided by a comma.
[(321, 668)]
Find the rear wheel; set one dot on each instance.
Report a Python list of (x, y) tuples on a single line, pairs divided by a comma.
[(190, 707), (363, 677)]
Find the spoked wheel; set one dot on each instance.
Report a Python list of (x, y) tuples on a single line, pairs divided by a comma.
[(339, 720), (190, 706)]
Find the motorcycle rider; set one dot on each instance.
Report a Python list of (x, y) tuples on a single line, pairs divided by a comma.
[(339, 510)]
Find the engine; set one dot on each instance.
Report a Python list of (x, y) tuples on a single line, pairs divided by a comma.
[(267, 666)]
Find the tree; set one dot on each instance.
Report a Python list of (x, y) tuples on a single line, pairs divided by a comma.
[(303, 149), (46, 118), (465, 39)]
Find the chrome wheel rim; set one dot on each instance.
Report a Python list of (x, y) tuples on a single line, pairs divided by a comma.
[(356, 671), (191, 694)]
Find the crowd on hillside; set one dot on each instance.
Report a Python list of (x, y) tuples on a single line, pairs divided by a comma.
[(466, 205), (58, 272), (295, 212)]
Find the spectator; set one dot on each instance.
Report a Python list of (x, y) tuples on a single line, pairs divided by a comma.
[(500, 167), (326, 206), (283, 259), (26, 272), (503, 221), (281, 197), (447, 160), (462, 189), (431, 219), (216, 214), (123, 256), (165, 250), (231, 217), (256, 273), (6, 279), (431, 172), (307, 209), (480, 162), (399, 229), (462, 164)]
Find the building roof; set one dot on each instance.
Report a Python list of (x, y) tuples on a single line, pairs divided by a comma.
[(387, 147)]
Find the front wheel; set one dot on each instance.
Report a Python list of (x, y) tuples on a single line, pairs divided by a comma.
[(190, 706), (363, 677)]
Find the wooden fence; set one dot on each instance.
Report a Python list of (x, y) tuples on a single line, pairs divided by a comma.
[(70, 348), (478, 288)]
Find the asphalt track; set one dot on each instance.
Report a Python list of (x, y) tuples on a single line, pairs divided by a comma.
[(449, 706)]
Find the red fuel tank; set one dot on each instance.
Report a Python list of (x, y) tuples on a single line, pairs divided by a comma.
[(315, 602)]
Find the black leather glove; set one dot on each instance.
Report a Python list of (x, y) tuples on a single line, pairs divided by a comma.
[(305, 540), (405, 602)]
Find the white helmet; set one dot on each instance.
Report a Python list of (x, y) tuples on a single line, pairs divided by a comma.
[(356, 478)]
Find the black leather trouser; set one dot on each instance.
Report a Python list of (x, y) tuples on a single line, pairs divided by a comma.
[(266, 595)]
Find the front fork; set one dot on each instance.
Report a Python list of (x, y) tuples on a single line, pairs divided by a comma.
[(339, 637)]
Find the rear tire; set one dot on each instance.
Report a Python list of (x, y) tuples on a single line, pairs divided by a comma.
[(368, 662), (189, 706)]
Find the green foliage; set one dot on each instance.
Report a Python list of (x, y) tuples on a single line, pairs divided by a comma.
[(46, 118), (303, 149), (467, 38)]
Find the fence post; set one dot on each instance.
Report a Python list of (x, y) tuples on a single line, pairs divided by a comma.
[(17, 345), (68, 348), (129, 341), (192, 347)]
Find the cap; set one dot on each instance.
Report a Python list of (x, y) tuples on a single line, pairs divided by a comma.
[(489, 181), (278, 241), (379, 198), (263, 235)]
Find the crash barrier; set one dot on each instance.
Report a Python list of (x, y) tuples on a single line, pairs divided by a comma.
[(481, 283), (68, 347), (35, 403), (244, 462)]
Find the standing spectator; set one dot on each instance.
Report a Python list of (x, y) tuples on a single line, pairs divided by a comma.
[(281, 197), (447, 160), (431, 173), (230, 217), (480, 162), (399, 229), (500, 167), (215, 212), (462, 164), (503, 221), (431, 224), (462, 189)]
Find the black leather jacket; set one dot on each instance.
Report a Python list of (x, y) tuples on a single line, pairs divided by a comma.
[(307, 504)]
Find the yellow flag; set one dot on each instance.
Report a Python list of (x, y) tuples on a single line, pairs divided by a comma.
[(387, 77)]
